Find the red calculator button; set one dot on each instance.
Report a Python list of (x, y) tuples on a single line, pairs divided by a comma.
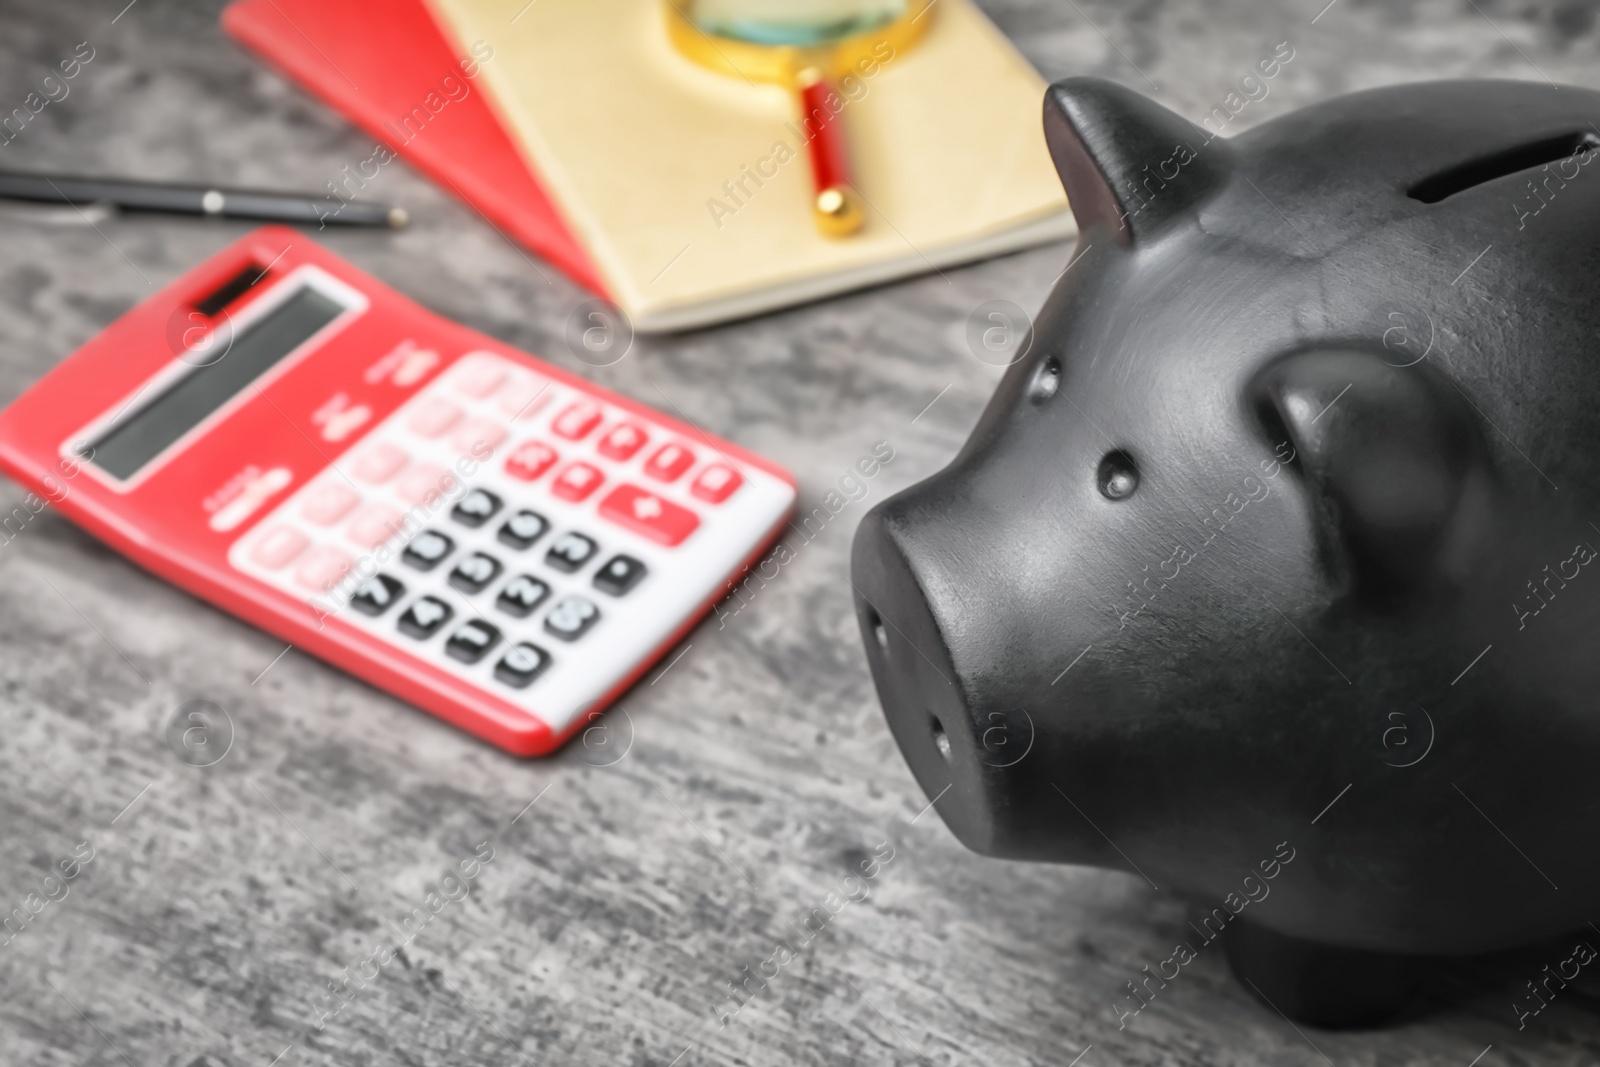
[(379, 463), (669, 462), (330, 502), (323, 569), (478, 435), (481, 378), (577, 420), (622, 441), (525, 397), (374, 525), (435, 418), (645, 513), (425, 479), (716, 483), (531, 459), (279, 546), (577, 482)]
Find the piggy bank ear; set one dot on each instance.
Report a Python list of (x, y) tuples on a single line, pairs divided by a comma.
[(1394, 461), (1127, 163)]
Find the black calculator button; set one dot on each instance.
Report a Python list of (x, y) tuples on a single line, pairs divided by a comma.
[(571, 552), (469, 643), (424, 617), (476, 508), (521, 664), (618, 576), (523, 529), (377, 595), (427, 549), (475, 571), (571, 618), (521, 595)]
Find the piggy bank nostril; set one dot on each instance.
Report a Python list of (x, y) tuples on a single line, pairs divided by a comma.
[(874, 626), (1118, 476), (940, 740), (1046, 380)]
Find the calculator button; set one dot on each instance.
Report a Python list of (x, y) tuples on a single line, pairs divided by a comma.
[(577, 420), (330, 502), (521, 665), (469, 643), (716, 483), (435, 418), (577, 482), (571, 552), (279, 547), (379, 463), (481, 378), (475, 571), (476, 508), (375, 524), (424, 617), (477, 435), (323, 569), (669, 462), (424, 480), (645, 513), (531, 459), (427, 549), (618, 576), (525, 397), (571, 618), (521, 595), (523, 529), (377, 594), (622, 441)]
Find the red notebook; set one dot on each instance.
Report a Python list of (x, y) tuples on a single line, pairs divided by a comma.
[(394, 75)]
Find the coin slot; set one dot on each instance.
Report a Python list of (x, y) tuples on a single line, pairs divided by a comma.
[(1475, 172)]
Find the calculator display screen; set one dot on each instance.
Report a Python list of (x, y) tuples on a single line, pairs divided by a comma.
[(139, 438)]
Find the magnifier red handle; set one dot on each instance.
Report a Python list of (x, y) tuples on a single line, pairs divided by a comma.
[(835, 204)]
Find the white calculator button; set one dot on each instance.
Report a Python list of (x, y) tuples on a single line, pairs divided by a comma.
[(424, 479), (374, 525), (379, 463), (330, 502), (279, 547), (323, 569), (481, 378), (523, 398), (479, 434), (434, 419)]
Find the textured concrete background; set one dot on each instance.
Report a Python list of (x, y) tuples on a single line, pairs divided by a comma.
[(221, 900)]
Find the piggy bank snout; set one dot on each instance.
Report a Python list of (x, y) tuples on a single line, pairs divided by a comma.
[(918, 685)]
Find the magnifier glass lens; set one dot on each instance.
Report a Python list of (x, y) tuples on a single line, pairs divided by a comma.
[(798, 23)]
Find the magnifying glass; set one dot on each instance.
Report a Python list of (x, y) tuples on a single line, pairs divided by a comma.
[(805, 46)]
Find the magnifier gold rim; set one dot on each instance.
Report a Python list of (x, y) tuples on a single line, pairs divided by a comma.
[(783, 64)]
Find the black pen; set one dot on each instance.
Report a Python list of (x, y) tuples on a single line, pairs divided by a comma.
[(196, 200)]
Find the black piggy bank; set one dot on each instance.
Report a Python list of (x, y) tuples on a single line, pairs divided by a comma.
[(1268, 572)]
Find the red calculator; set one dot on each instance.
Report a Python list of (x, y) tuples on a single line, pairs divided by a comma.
[(478, 532)]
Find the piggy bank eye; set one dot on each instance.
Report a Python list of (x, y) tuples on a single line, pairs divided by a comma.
[(1118, 475), (1046, 380)]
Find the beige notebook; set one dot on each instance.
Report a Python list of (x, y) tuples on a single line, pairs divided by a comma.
[(692, 189)]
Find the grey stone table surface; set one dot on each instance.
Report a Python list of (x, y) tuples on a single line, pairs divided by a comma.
[(621, 897)]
